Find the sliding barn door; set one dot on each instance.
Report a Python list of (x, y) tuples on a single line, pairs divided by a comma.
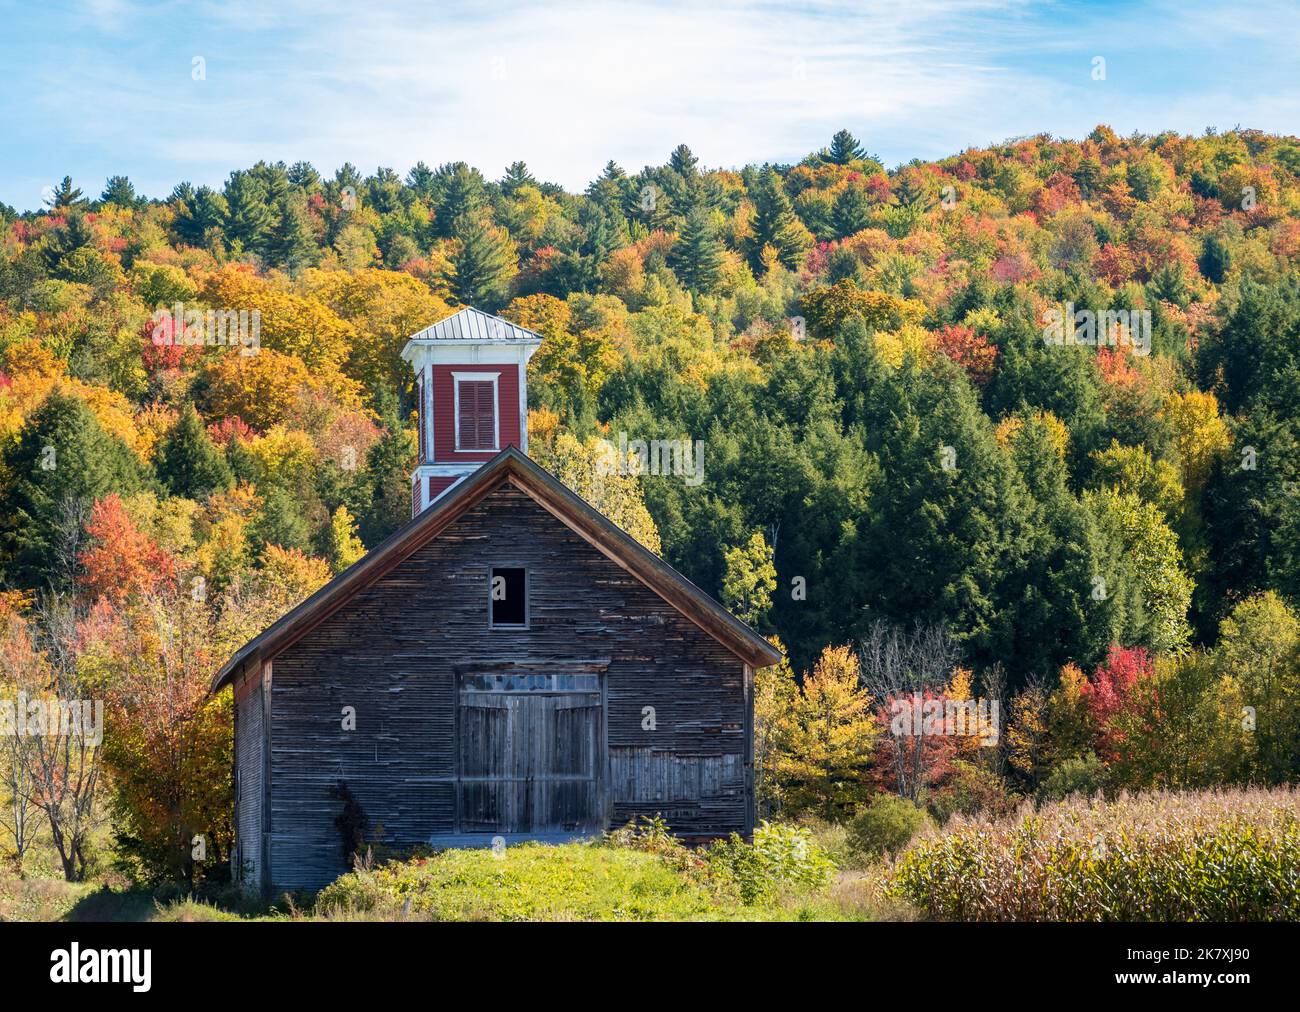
[(528, 755)]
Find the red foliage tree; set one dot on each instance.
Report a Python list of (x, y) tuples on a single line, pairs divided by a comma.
[(910, 757), (163, 348), (1114, 264), (969, 350), (230, 427), (1059, 192), (122, 561), (1111, 688)]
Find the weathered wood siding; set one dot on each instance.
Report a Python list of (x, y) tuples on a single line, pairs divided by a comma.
[(250, 759), (675, 700)]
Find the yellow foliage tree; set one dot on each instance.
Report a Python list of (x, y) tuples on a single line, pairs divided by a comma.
[(573, 361), (345, 547), (591, 471), (385, 308), (831, 739), (290, 323), (776, 693), (1044, 424), (269, 388), (1199, 432)]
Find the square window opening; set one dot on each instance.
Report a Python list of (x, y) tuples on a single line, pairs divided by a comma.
[(508, 596)]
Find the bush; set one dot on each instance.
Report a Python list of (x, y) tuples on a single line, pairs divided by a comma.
[(833, 839), (1232, 856), (886, 826), (781, 858), (1084, 776), (971, 791)]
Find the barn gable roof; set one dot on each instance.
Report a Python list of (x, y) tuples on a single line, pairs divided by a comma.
[(513, 467)]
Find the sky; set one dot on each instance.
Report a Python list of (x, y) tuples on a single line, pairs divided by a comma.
[(168, 91)]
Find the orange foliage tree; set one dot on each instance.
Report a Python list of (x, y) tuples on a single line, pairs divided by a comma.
[(122, 561)]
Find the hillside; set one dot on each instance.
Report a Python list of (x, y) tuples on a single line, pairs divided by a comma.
[(1045, 396)]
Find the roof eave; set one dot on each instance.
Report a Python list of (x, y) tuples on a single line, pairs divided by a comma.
[(415, 341)]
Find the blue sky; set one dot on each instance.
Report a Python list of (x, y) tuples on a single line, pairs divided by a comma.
[(106, 87)]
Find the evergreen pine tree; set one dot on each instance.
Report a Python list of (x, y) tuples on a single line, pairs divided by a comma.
[(517, 175), (381, 495), (461, 195), (197, 212), (120, 191), (482, 265), (290, 244), (65, 196), (249, 217), (776, 225), (421, 180), (188, 463), (851, 211), (683, 162), (1215, 260), (241, 462), (303, 176), (696, 256), (61, 464), (279, 522), (844, 148), (65, 239), (911, 194)]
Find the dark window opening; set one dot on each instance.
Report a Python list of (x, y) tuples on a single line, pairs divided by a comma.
[(508, 593)]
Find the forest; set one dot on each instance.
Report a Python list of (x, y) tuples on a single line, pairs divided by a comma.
[(914, 477)]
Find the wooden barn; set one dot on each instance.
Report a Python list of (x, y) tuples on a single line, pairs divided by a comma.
[(508, 663)]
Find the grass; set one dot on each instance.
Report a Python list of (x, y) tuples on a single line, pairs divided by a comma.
[(568, 882), (1214, 855)]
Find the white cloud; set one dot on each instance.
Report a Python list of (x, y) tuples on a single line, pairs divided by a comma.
[(568, 86)]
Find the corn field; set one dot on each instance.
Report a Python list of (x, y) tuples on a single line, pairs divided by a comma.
[(1214, 856)]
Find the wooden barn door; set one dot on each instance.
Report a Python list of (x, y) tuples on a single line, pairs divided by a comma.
[(529, 753)]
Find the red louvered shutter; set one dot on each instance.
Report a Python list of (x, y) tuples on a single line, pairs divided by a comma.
[(477, 421)]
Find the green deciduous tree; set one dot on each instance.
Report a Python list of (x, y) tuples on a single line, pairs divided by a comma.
[(748, 579)]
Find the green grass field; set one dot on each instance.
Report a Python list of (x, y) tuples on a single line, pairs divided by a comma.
[(1228, 855)]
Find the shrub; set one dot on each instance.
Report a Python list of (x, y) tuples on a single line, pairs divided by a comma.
[(972, 790), (1084, 776), (886, 826), (781, 858), (1231, 856), (833, 839)]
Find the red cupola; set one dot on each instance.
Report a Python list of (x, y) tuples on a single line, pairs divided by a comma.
[(471, 388)]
